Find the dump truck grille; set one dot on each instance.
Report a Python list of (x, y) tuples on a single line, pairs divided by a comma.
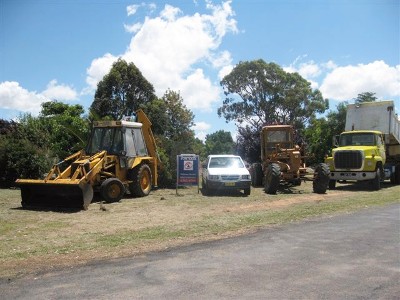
[(348, 159)]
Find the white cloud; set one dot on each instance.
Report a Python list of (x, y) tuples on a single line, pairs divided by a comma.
[(345, 83), (201, 126), (98, 68), (172, 51), (13, 96), (133, 28), (198, 90), (131, 9), (201, 129), (59, 92), (169, 13)]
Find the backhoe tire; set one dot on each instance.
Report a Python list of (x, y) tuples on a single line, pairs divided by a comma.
[(141, 181), (272, 178), (321, 178), (112, 190)]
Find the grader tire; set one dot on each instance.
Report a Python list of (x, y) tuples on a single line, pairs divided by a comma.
[(141, 181), (321, 178), (272, 179)]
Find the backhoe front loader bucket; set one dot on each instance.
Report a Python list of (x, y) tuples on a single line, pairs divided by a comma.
[(42, 194)]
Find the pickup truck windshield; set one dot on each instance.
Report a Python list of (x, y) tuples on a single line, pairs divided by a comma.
[(226, 162), (357, 139)]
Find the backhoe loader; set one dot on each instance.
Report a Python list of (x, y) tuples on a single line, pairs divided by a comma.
[(120, 156)]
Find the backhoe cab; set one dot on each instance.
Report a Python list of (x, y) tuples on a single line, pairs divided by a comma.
[(120, 156)]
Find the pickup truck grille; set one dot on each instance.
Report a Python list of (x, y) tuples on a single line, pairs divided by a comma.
[(230, 177), (348, 159)]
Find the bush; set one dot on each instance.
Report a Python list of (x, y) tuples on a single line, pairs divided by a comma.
[(20, 158)]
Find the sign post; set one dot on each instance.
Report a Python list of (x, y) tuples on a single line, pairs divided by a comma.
[(187, 168)]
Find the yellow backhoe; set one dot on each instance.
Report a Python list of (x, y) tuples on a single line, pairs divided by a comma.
[(120, 156)]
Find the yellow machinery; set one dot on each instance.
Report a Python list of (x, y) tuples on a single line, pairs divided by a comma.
[(283, 162), (120, 156)]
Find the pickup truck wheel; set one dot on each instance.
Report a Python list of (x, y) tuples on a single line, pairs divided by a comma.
[(376, 182), (247, 192), (112, 190), (321, 178), (204, 187), (272, 178), (141, 181), (332, 184)]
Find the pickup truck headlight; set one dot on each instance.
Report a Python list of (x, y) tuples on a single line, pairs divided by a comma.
[(245, 176), (213, 177)]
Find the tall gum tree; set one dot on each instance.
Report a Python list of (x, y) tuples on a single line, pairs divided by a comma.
[(121, 92), (259, 93)]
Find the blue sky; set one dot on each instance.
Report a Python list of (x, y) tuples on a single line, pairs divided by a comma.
[(53, 49)]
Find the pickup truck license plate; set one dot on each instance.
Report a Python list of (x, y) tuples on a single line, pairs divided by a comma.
[(229, 184)]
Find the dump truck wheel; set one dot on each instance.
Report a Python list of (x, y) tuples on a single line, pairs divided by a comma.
[(321, 178), (376, 182), (112, 190), (272, 178), (141, 177), (397, 174)]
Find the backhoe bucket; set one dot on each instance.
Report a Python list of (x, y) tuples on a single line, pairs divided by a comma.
[(41, 194)]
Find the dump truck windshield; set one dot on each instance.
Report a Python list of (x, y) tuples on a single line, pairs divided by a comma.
[(105, 138), (357, 139)]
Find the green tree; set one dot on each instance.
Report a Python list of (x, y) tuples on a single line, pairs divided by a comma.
[(260, 93), (121, 92), (366, 97), (171, 123), (318, 136), (219, 142), (68, 129), (23, 151)]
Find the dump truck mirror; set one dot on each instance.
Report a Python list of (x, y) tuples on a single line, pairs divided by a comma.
[(335, 141)]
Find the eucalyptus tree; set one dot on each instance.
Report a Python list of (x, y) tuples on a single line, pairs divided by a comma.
[(259, 93), (121, 92)]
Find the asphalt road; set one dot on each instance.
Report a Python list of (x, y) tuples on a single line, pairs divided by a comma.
[(352, 256)]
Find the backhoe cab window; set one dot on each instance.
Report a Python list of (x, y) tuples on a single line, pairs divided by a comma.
[(135, 145), (109, 139)]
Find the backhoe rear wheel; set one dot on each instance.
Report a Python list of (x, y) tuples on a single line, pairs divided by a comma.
[(141, 181), (112, 190), (272, 178)]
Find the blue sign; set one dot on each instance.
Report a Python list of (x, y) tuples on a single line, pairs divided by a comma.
[(187, 166)]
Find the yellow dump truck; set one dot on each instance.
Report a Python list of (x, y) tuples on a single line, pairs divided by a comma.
[(120, 156), (369, 149)]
